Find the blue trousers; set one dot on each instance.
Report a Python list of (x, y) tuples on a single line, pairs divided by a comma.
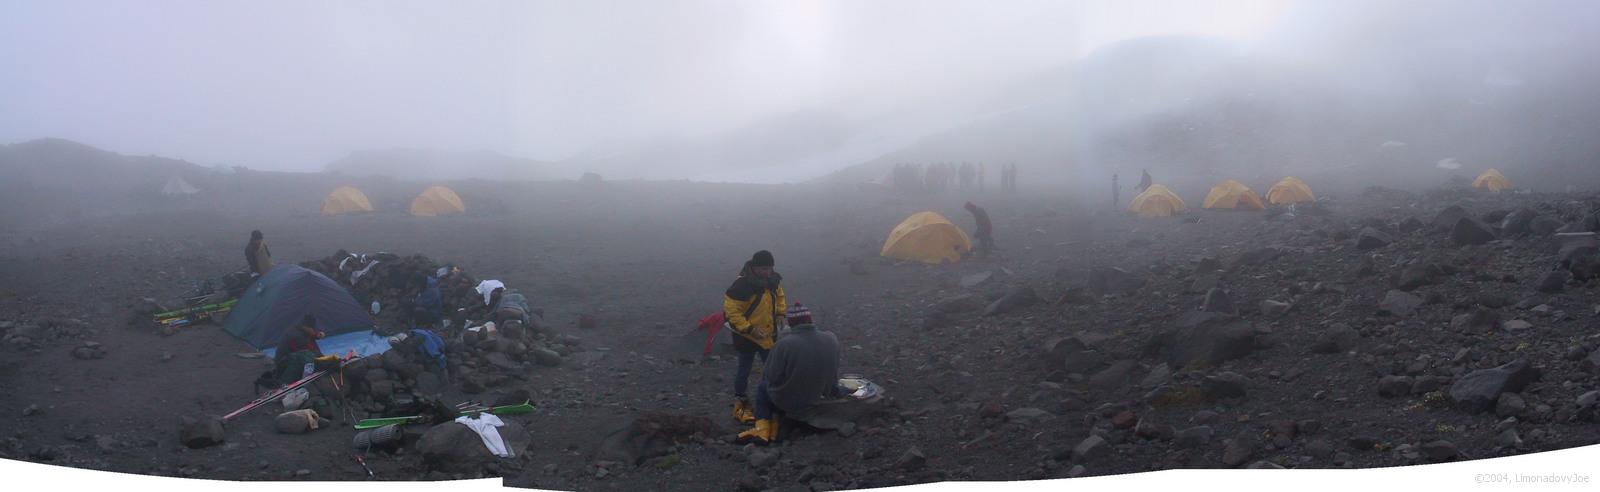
[(747, 357), (764, 406)]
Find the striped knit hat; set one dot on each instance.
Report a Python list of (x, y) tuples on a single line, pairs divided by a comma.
[(798, 315)]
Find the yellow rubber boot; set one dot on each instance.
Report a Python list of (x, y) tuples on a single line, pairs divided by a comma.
[(743, 412), (765, 431)]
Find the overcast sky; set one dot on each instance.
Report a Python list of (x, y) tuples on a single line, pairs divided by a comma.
[(292, 85)]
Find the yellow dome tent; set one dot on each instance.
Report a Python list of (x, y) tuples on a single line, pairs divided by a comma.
[(1290, 190), (1157, 201), (345, 200), (927, 237), (437, 200), (1233, 194), (1492, 180)]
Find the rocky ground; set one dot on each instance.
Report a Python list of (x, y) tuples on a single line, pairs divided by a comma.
[(1378, 329)]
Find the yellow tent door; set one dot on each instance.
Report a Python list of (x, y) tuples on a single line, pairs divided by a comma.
[(1492, 180), (437, 200), (1233, 194), (927, 237), (1157, 201), (1290, 190), (345, 200)]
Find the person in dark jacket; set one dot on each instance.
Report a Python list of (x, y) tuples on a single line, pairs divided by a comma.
[(257, 255), (298, 348), (803, 369), (753, 306), (428, 309), (985, 231), (1145, 181)]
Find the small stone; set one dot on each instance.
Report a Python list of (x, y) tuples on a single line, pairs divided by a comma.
[(763, 459), (1438, 451), (30, 411), (911, 460), (1364, 443), (1553, 281), (1516, 325), (1508, 439), (1194, 436), (1264, 465), (1273, 308), (1394, 386), (1399, 303), (1510, 405), (1370, 239), (1028, 414), (1320, 449), (1090, 448), (302, 472), (1124, 419), (1236, 452), (1218, 301), (1076, 471)]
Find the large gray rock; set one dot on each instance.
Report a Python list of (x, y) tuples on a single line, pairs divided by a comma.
[(1370, 239), (1226, 385), (1218, 301), (454, 448), (1448, 217), (1203, 339), (1019, 298), (1337, 338), (652, 435), (1392, 386), (1399, 303), (1553, 281), (1417, 275), (1118, 375), (1479, 390), (201, 432), (964, 303), (1544, 226), (1090, 448), (1518, 223), (1480, 320), (1468, 232), (546, 357)]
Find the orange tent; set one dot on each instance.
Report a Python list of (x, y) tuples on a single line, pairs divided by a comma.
[(1232, 194)]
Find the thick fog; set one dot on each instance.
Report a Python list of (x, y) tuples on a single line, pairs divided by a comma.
[(794, 90)]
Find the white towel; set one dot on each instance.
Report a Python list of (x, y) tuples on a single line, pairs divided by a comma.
[(487, 287), (485, 425)]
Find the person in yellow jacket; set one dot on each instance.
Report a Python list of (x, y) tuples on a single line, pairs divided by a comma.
[(754, 305)]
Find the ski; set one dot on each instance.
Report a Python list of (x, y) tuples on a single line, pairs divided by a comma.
[(274, 395), (521, 408)]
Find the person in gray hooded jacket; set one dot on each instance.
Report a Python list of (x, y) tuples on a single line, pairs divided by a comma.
[(802, 369)]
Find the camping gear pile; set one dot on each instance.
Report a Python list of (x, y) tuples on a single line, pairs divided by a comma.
[(393, 282)]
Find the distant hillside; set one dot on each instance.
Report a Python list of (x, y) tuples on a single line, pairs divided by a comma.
[(440, 165), (54, 163)]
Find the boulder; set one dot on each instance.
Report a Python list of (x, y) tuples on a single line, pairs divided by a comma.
[(652, 435), (1553, 281), (1399, 303), (1479, 320), (1393, 386), (1370, 239), (1218, 301), (1510, 405), (1544, 226), (546, 357), (1448, 217), (1225, 385), (1468, 232), (1337, 338), (454, 448), (1118, 375), (1438, 451), (1417, 275), (964, 303), (1091, 448), (1518, 223), (196, 433), (911, 460), (1480, 390), (1272, 308), (297, 422), (1202, 338)]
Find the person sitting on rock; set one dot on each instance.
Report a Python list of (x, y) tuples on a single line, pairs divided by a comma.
[(507, 306), (752, 306), (298, 348), (803, 369)]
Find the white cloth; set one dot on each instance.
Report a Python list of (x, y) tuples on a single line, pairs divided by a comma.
[(487, 287), (356, 275), (485, 425)]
